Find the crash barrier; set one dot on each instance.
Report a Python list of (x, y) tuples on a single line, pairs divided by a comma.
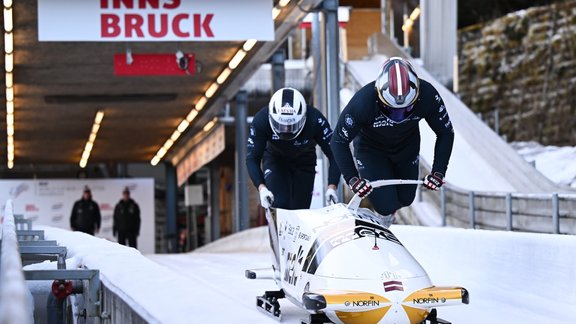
[(512, 211), (543, 213), (23, 302), (134, 289), (14, 294)]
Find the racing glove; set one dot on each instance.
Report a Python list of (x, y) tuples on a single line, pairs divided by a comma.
[(361, 187), (331, 197), (266, 197), (434, 181)]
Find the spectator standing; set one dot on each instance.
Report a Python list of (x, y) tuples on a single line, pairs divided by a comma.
[(85, 214), (126, 220)]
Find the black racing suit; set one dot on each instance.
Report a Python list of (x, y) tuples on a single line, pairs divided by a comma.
[(85, 216), (289, 165), (385, 149), (127, 222)]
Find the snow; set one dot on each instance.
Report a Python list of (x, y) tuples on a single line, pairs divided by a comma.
[(556, 163), (512, 277)]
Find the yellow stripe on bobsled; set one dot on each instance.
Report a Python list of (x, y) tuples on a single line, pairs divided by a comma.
[(437, 296)]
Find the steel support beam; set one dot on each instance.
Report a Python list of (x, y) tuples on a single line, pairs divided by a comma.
[(242, 220), (214, 206), (332, 62), (171, 235), (278, 71)]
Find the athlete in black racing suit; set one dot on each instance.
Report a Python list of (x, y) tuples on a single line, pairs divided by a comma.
[(382, 118), (283, 138)]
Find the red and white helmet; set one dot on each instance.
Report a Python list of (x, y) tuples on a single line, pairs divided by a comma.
[(287, 113), (397, 84)]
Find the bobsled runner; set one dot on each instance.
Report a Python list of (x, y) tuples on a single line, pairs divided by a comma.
[(342, 264)]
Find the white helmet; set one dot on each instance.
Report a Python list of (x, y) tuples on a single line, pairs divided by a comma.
[(287, 113)]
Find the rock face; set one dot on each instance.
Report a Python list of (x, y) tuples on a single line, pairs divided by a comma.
[(524, 66)]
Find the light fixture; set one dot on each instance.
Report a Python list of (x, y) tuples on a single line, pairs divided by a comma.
[(175, 135), (8, 23), (193, 113), (211, 90), (249, 44), (183, 125), (8, 42), (200, 104), (91, 138), (409, 21), (210, 124), (168, 144), (275, 12), (9, 107), (10, 94), (415, 13), (9, 80), (235, 61), (224, 75), (9, 67), (9, 62), (283, 3)]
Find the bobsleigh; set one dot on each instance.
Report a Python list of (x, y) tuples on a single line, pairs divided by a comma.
[(342, 264)]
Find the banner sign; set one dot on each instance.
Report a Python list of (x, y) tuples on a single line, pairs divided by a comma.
[(204, 152), (49, 202), (154, 64), (155, 20)]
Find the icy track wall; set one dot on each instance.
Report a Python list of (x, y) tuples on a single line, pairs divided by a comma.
[(512, 277), (136, 289), (516, 277), (524, 65)]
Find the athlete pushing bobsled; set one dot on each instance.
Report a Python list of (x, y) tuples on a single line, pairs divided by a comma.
[(341, 263)]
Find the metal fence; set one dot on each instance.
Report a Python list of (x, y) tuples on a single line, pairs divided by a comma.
[(541, 213), (15, 298)]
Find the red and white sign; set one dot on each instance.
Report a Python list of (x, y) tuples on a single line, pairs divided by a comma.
[(155, 20)]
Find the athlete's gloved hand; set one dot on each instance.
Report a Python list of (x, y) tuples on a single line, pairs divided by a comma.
[(331, 196), (266, 197), (434, 181), (361, 187)]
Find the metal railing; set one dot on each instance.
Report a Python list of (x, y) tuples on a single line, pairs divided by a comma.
[(15, 297), (541, 213)]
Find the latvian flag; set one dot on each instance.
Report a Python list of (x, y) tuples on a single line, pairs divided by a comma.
[(393, 285)]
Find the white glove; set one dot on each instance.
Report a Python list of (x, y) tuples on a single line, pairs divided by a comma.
[(331, 196), (266, 197)]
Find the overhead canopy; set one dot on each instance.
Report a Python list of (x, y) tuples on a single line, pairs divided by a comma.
[(59, 86)]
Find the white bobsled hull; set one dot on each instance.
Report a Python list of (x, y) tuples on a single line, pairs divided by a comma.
[(349, 266)]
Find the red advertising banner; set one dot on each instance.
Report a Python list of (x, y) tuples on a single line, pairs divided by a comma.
[(154, 64)]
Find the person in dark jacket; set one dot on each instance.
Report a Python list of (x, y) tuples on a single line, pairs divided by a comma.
[(85, 214), (283, 137), (126, 220), (382, 118)]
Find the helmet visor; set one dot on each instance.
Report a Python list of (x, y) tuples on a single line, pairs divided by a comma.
[(397, 114), (287, 128)]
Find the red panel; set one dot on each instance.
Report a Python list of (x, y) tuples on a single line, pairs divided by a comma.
[(152, 64)]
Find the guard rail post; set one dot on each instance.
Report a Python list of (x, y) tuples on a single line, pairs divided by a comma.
[(471, 209), (555, 214), (443, 205), (509, 212)]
